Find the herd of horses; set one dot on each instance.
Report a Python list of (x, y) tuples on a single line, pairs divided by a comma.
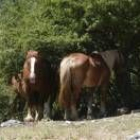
[(39, 82)]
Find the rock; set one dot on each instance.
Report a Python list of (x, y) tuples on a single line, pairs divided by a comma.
[(123, 110), (136, 136), (11, 123), (135, 111)]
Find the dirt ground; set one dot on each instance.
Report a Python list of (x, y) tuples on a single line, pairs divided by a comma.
[(113, 128)]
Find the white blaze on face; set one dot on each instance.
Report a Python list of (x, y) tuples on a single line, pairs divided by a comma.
[(32, 69)]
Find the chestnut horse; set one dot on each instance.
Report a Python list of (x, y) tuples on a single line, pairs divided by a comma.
[(37, 84), (79, 70), (19, 101), (16, 83)]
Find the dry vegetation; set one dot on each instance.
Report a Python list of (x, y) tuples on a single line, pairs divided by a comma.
[(114, 128)]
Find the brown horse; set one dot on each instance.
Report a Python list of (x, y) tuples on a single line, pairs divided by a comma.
[(19, 101), (79, 70), (16, 83), (37, 84)]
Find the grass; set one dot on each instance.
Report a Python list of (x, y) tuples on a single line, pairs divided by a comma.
[(113, 128)]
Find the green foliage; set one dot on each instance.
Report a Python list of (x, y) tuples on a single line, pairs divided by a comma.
[(58, 27)]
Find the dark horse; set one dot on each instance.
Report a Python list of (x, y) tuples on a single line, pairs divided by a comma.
[(79, 70), (37, 84), (114, 60), (117, 63)]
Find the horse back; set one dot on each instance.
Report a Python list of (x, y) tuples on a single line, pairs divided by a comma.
[(114, 60), (98, 73)]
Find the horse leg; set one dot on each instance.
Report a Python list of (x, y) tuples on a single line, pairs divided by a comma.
[(36, 113), (51, 100), (74, 102), (47, 109), (67, 114), (103, 101), (74, 113), (29, 116), (21, 106), (48, 106), (39, 111), (89, 106), (14, 106), (71, 114)]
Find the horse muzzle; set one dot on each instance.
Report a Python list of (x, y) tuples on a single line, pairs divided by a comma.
[(32, 79)]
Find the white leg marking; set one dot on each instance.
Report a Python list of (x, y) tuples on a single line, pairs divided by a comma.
[(29, 115)]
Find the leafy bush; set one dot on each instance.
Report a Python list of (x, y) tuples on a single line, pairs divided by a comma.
[(59, 27)]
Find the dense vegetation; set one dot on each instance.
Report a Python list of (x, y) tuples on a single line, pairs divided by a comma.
[(58, 27)]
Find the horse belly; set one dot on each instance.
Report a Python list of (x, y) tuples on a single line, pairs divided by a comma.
[(91, 79)]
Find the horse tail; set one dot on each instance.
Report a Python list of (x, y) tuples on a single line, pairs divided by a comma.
[(65, 92)]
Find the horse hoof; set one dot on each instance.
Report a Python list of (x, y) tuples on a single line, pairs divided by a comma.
[(28, 119), (89, 117), (102, 115)]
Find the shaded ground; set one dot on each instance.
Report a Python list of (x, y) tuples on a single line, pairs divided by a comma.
[(114, 128)]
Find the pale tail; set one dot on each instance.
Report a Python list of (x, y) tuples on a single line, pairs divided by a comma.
[(65, 84)]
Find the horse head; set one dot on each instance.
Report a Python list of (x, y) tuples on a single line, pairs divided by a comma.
[(30, 65)]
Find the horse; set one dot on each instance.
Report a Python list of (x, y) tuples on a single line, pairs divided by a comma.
[(114, 60), (78, 70), (37, 84), (19, 101), (116, 63), (16, 83)]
